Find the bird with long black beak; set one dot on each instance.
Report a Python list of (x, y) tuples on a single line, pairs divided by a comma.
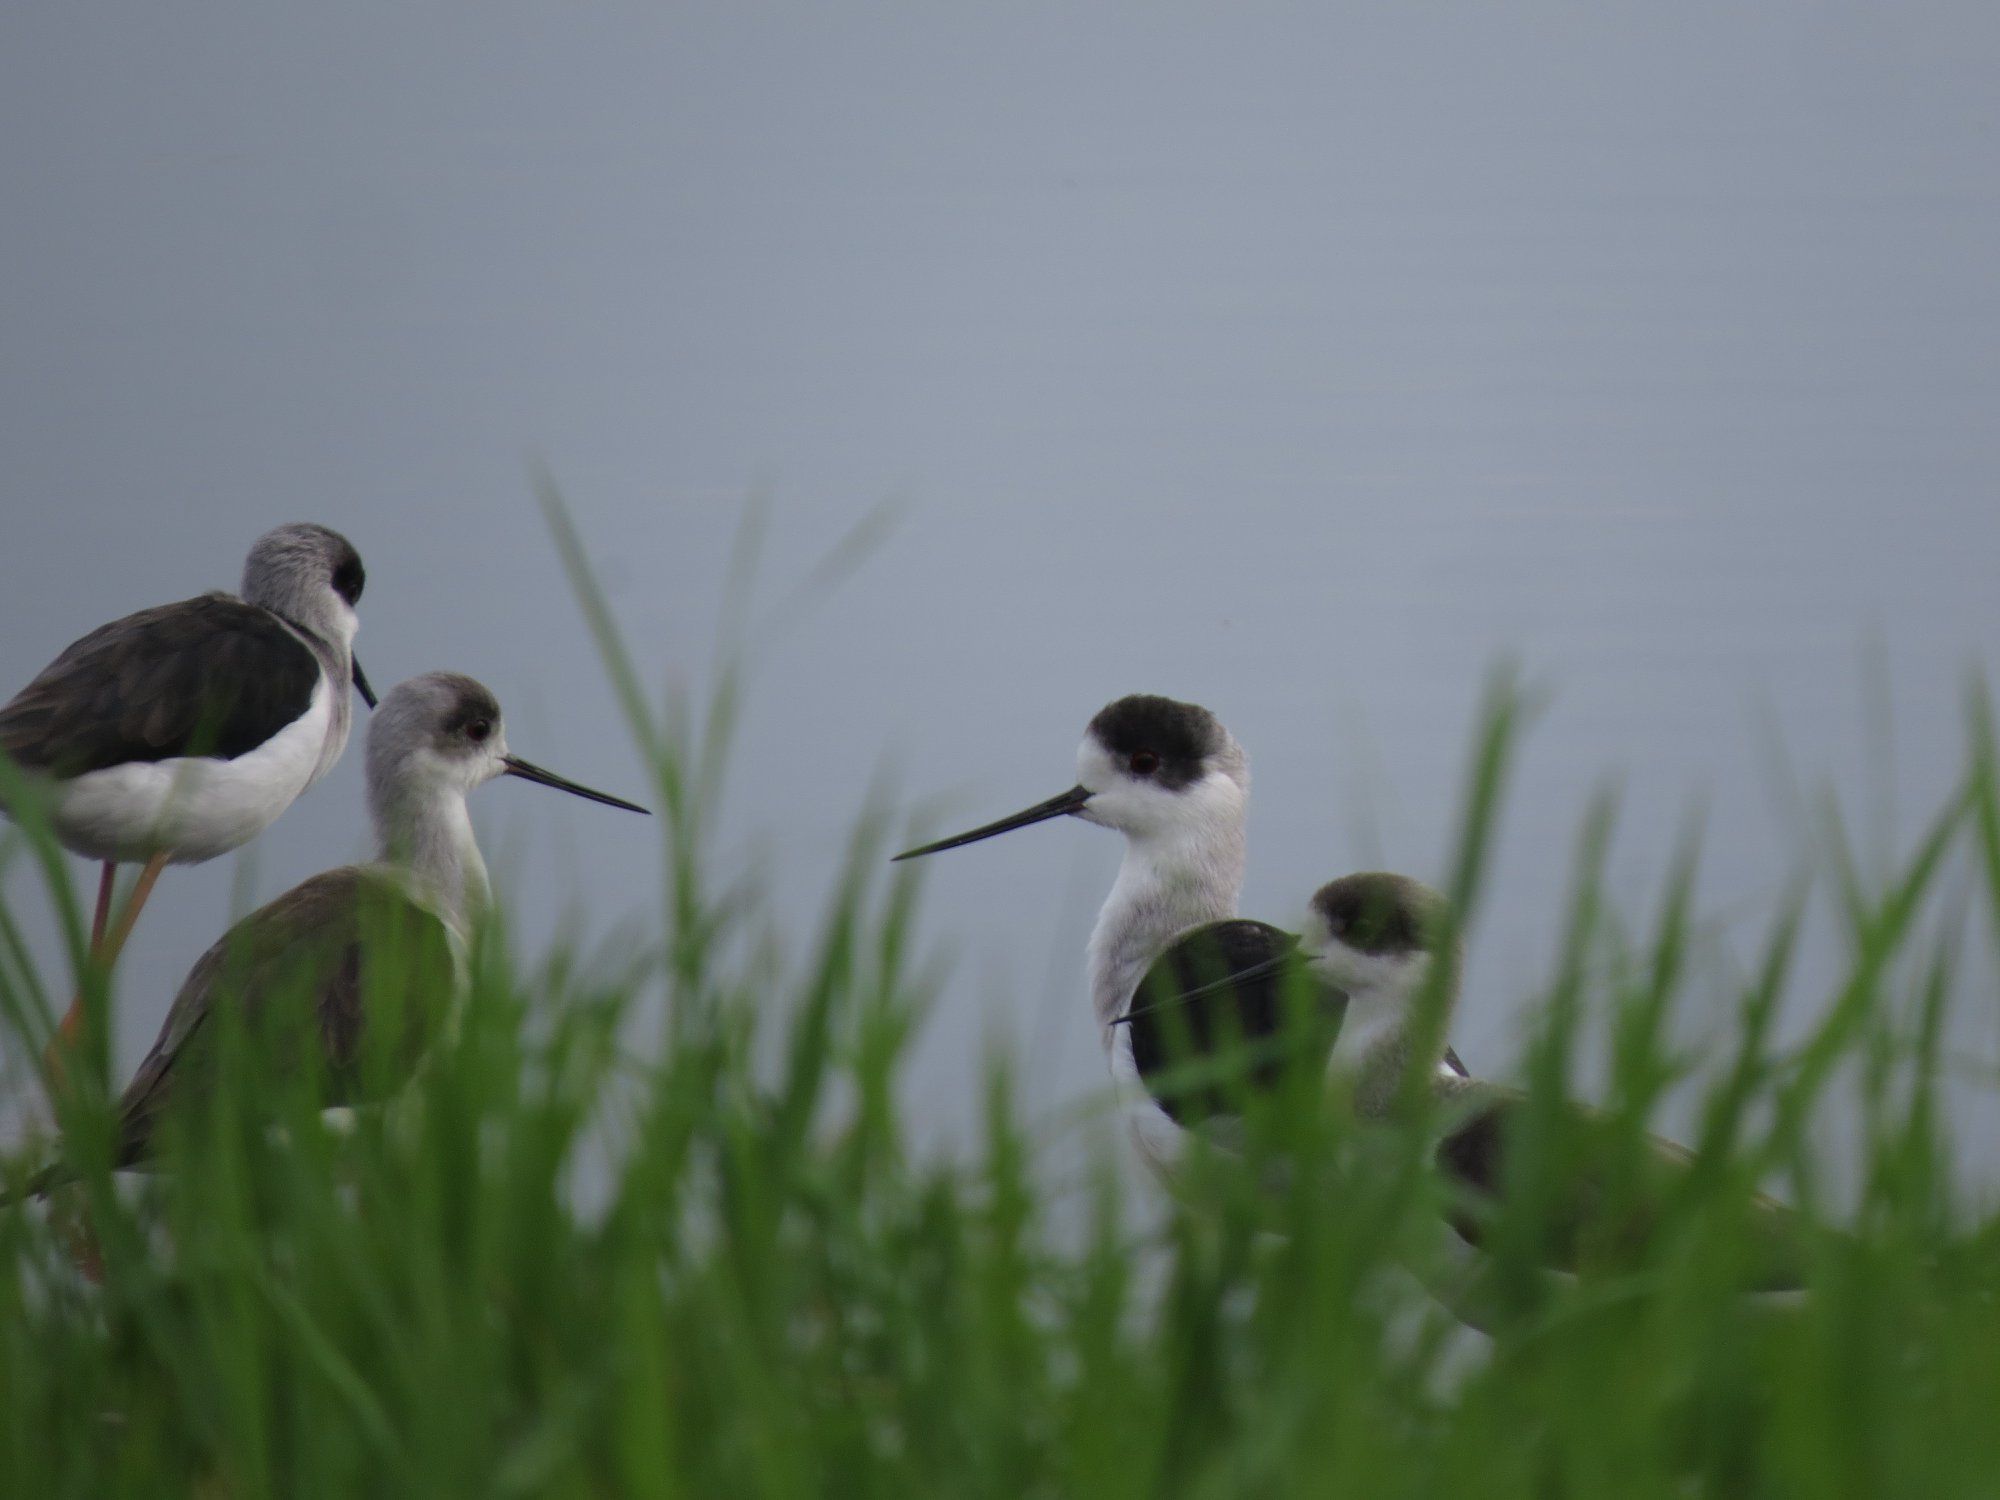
[(361, 957), (180, 733), (1176, 784)]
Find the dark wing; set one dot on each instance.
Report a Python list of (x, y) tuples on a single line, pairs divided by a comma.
[(207, 676), (344, 974), (1220, 989), (1600, 1206)]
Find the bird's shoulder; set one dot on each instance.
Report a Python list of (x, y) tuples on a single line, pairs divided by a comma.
[(1221, 950), (335, 907)]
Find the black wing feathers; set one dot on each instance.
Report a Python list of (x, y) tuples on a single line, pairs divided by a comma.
[(1217, 988), (208, 676)]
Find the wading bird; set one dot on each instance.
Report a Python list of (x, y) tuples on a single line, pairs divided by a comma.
[(1375, 938), (180, 733), (360, 965), (1170, 778)]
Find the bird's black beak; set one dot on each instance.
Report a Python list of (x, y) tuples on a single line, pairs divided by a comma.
[(361, 682), (529, 771), (1069, 802)]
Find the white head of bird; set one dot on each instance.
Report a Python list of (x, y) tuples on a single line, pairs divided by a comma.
[(1377, 937), (1170, 778), (433, 740)]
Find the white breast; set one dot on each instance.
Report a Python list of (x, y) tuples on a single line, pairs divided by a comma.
[(1157, 1138), (196, 807)]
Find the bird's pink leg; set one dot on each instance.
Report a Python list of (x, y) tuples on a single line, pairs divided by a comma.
[(141, 889), (98, 923), (105, 946)]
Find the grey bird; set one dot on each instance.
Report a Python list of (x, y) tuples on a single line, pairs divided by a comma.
[(358, 964), (181, 732)]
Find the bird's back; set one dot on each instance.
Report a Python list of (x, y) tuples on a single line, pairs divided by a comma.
[(345, 973), (1604, 1191)]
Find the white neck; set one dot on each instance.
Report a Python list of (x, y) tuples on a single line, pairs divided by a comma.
[(433, 844), (1372, 1049), (1169, 883)]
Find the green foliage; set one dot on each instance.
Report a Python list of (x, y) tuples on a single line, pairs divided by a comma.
[(581, 1257)]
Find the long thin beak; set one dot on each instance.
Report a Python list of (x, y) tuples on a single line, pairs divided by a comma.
[(1041, 812), (529, 771), (361, 682), (1286, 960)]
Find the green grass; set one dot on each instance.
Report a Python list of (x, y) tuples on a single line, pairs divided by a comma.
[(781, 1291)]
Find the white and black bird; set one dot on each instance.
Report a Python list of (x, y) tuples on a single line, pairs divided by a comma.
[(180, 733), (1168, 776), (361, 957)]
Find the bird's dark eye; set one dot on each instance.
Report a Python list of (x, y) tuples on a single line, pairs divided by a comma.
[(1144, 763), (349, 579), (478, 730)]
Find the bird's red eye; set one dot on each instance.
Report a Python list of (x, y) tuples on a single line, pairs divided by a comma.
[(478, 729), (1144, 763)]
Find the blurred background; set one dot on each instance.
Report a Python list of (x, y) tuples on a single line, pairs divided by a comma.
[(1302, 361)]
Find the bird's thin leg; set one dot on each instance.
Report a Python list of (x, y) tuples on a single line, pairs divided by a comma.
[(104, 949), (141, 889), (105, 884), (66, 1209)]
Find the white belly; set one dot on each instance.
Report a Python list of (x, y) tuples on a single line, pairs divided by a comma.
[(195, 808), (1155, 1135)]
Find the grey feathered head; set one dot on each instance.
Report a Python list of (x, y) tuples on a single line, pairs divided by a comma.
[(309, 574), (441, 734), (440, 727)]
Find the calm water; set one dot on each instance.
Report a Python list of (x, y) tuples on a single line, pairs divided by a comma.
[(1301, 364)]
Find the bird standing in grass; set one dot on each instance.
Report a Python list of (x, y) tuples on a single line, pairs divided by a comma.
[(1176, 784), (1377, 941), (355, 970), (1599, 1193), (180, 733)]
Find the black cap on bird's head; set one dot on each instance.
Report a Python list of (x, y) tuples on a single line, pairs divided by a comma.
[(1376, 928), (1160, 740), (1146, 765)]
